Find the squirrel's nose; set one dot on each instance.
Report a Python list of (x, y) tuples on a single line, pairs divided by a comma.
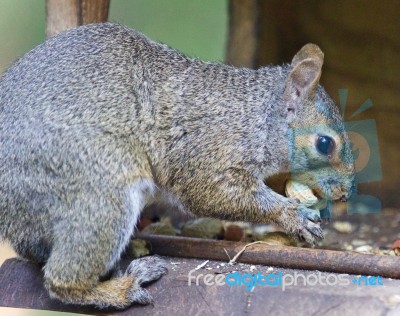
[(343, 198)]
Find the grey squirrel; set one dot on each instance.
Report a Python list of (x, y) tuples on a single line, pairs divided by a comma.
[(99, 121)]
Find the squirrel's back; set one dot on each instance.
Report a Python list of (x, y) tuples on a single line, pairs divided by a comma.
[(106, 78), (111, 70), (80, 71)]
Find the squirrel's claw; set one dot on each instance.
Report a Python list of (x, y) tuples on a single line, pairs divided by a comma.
[(310, 231), (310, 215)]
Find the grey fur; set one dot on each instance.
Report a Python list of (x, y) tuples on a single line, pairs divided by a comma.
[(99, 120)]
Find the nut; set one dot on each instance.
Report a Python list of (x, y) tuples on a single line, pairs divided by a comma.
[(297, 190)]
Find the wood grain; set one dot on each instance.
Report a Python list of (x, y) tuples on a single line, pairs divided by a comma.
[(67, 14)]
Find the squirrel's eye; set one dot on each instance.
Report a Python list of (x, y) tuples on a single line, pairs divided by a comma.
[(325, 145)]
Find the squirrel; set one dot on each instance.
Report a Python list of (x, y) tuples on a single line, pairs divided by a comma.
[(99, 121)]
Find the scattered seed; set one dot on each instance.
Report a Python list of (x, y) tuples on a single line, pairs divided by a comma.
[(342, 227)]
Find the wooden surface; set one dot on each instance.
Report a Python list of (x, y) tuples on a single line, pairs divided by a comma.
[(68, 14), (242, 38), (282, 256), (21, 286)]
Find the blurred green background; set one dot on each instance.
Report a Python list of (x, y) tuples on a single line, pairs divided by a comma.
[(196, 27)]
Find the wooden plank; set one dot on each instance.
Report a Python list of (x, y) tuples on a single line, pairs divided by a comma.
[(284, 256), (21, 286)]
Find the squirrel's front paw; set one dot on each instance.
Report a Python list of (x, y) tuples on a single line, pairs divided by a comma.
[(301, 222), (310, 230)]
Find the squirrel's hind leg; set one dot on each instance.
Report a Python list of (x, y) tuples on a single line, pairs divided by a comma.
[(120, 291), (88, 242)]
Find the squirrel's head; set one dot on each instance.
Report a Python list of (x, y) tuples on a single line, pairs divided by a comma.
[(320, 153)]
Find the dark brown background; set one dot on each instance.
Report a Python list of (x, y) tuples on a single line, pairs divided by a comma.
[(361, 43)]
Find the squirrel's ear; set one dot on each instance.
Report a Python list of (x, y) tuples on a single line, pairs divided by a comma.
[(303, 78)]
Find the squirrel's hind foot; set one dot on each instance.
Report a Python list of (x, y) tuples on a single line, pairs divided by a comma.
[(144, 270), (121, 291)]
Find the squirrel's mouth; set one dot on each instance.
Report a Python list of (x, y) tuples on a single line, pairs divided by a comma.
[(335, 195), (314, 194)]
